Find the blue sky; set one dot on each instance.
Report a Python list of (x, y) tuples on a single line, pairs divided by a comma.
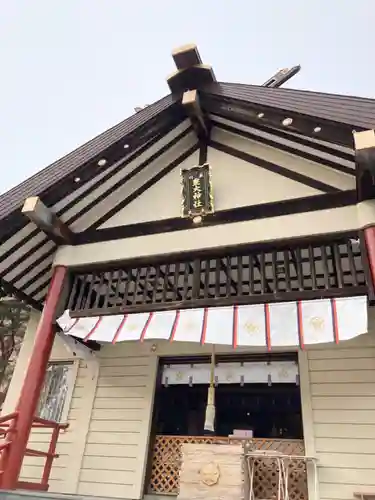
[(71, 69)]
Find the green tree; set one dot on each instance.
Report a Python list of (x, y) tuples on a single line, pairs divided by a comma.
[(13, 320)]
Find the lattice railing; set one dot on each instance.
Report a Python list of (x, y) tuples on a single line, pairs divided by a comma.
[(166, 462), (293, 271)]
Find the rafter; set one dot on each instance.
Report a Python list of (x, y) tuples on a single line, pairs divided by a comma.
[(47, 221), (236, 109)]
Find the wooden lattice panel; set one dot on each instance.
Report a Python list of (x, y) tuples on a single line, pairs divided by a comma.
[(167, 456), (266, 478), (166, 461), (285, 446), (266, 473)]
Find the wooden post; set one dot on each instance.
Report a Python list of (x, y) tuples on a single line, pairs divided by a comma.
[(369, 236), (33, 383), (364, 143)]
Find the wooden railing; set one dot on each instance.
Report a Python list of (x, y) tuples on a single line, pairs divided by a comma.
[(7, 434), (251, 275), (166, 462)]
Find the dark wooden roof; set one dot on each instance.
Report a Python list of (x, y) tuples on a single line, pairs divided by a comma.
[(75, 185), (358, 112), (70, 163)]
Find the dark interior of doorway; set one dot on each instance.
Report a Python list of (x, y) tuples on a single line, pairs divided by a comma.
[(271, 411)]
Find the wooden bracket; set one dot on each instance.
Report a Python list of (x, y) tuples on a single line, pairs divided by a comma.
[(47, 221), (364, 143), (190, 77), (191, 72), (190, 101)]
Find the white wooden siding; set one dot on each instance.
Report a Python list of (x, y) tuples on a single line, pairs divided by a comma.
[(104, 452), (114, 458), (71, 444), (342, 386)]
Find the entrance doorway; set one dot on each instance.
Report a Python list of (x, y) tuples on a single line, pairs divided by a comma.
[(257, 399), (266, 410)]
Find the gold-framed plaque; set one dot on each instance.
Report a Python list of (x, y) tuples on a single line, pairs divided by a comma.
[(197, 193)]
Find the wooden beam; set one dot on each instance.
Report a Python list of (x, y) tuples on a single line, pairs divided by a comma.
[(194, 77), (281, 77), (47, 221), (274, 168), (229, 216), (364, 143), (20, 295), (186, 56), (273, 117), (191, 72), (307, 155), (190, 101), (225, 267)]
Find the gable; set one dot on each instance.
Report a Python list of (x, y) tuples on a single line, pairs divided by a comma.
[(270, 150), (245, 172)]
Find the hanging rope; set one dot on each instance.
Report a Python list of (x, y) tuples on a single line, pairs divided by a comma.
[(209, 423)]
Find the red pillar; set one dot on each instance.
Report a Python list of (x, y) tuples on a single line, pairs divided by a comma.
[(369, 233), (33, 383)]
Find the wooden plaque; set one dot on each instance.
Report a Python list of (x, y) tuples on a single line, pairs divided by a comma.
[(197, 196)]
